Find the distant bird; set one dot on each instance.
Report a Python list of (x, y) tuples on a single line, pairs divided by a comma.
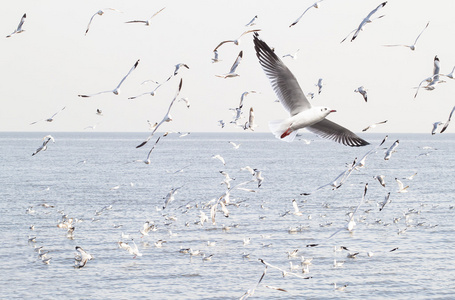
[(19, 27), (412, 47), (131, 249), (374, 125), (148, 21), (250, 124), (432, 80), (170, 196), (233, 68), (367, 19), (221, 123), (319, 85), (215, 58), (296, 211), (258, 176), (381, 180), (401, 187), (391, 150), (147, 227), (116, 91), (178, 66), (147, 160), (236, 146), (243, 96), (100, 13), (386, 201), (315, 5), (361, 90), (99, 112), (167, 117), (251, 23), (82, 258), (49, 119), (302, 114), (152, 93), (187, 102), (435, 126), (220, 158), (237, 40), (448, 121), (293, 56), (43, 147)]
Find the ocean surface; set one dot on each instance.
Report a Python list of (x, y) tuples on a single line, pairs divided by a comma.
[(405, 251)]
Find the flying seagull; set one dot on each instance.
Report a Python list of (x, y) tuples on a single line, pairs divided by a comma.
[(251, 23), (367, 19), (43, 147), (82, 258), (49, 119), (116, 91), (237, 40), (146, 22), (413, 46), (448, 121), (435, 126), (167, 117), (361, 90), (303, 115), (315, 5), (99, 13), (233, 68), (19, 27), (374, 125)]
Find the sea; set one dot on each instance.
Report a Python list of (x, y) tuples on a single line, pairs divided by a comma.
[(249, 243)]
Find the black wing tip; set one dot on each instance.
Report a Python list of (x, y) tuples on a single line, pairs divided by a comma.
[(142, 144)]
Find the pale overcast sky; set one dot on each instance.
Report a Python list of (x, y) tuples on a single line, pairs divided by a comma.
[(44, 68)]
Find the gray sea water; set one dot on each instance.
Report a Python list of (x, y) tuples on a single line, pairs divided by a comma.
[(77, 173)]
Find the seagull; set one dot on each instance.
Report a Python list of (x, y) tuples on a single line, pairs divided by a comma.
[(391, 150), (412, 47), (146, 22), (147, 161), (221, 123), (170, 196), (250, 292), (386, 201), (448, 121), (82, 258), (99, 112), (432, 80), (167, 117), (236, 146), (251, 23), (319, 85), (297, 211), (233, 68), (303, 115), (132, 250), (187, 102), (293, 56), (401, 187), (250, 124), (43, 147), (361, 90), (49, 119), (354, 30), (315, 5), (152, 93), (259, 178), (381, 180), (367, 19), (242, 97), (374, 125), (116, 91), (100, 13), (236, 41), (19, 27), (435, 126), (220, 158), (147, 227), (178, 66)]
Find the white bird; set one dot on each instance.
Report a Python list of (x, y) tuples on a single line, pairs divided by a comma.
[(170, 196), (303, 115), (99, 112), (319, 85), (215, 58), (448, 121), (374, 125), (116, 91), (293, 56), (152, 93), (250, 292), (401, 187), (435, 126), (412, 47), (147, 161), (49, 119), (339, 288), (187, 102), (381, 179), (337, 264), (232, 73), (250, 124), (167, 117), (391, 150), (367, 19), (236, 146), (242, 97), (178, 66), (237, 40), (148, 21), (100, 13), (361, 90), (43, 147), (131, 249), (258, 177), (221, 123), (297, 211), (251, 23), (432, 80), (315, 5), (386, 201), (82, 258), (19, 27), (219, 157), (249, 169)]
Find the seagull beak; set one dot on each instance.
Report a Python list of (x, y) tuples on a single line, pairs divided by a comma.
[(333, 111)]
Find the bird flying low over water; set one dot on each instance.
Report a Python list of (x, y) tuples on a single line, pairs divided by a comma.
[(302, 114), (116, 91), (49, 119), (19, 27), (43, 147), (233, 68), (448, 121)]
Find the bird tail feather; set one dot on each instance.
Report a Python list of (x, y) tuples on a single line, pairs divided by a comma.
[(279, 127)]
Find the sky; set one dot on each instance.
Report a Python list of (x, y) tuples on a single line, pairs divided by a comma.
[(46, 67)]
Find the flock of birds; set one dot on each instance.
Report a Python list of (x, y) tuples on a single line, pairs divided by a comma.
[(302, 115)]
